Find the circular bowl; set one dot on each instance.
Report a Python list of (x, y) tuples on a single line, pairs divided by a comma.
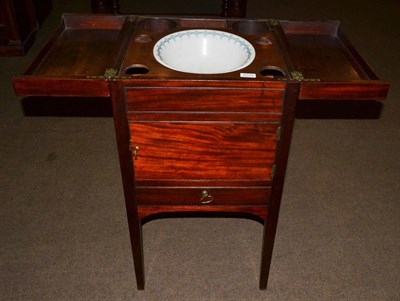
[(204, 51)]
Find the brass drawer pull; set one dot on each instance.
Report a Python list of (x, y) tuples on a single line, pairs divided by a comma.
[(206, 198)]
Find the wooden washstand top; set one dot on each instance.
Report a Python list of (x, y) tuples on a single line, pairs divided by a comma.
[(86, 51)]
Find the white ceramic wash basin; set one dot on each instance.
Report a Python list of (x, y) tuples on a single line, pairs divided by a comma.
[(204, 51)]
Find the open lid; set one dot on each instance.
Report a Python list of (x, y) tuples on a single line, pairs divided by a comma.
[(87, 51), (76, 60), (327, 64)]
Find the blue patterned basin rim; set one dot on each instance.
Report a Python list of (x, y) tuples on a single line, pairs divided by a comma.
[(204, 51)]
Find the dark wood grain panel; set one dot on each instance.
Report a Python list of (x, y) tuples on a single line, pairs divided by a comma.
[(199, 23), (202, 150), (196, 81), (203, 183), (194, 195), (209, 116), (33, 86), (93, 21), (258, 211), (329, 64), (80, 52), (310, 27), (322, 57), (204, 99)]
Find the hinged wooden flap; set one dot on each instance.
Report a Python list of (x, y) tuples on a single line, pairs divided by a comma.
[(327, 64), (77, 60), (87, 51)]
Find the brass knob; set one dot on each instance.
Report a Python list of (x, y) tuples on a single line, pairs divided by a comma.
[(206, 198), (135, 152)]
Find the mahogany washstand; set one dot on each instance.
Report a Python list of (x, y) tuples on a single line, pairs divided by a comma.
[(199, 143)]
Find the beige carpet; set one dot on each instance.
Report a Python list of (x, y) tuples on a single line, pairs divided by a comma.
[(63, 226)]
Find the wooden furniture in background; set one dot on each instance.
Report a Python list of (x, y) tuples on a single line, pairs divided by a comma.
[(19, 20), (230, 8), (42, 9), (234, 8), (201, 143), (105, 6)]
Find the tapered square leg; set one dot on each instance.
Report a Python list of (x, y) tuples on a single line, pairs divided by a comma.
[(135, 229)]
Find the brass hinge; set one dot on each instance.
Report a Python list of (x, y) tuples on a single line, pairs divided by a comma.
[(273, 171), (278, 133), (273, 22), (297, 75), (110, 73)]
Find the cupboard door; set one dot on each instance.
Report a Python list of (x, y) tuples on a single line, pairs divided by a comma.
[(185, 151)]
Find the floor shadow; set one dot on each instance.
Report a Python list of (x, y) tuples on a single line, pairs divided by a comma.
[(67, 106), (200, 214), (338, 109)]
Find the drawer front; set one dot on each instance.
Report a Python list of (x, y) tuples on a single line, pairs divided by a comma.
[(204, 99), (203, 150), (202, 196)]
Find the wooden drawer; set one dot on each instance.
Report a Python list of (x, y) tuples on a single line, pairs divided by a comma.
[(202, 196), (204, 99), (190, 151)]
